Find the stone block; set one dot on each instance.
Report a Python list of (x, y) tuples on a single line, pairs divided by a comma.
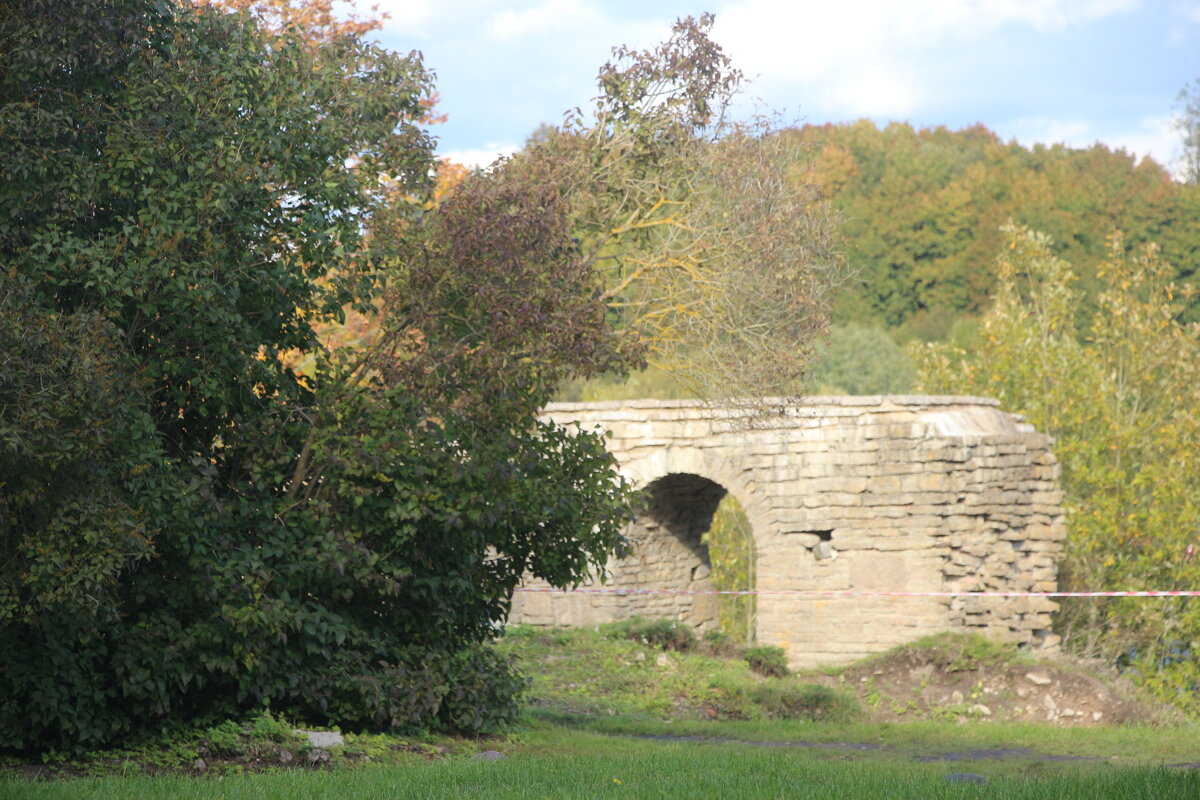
[(826, 499), (879, 571)]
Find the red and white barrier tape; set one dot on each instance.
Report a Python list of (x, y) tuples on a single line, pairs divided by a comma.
[(846, 593)]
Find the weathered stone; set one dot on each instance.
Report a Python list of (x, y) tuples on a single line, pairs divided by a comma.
[(322, 738), (920, 494)]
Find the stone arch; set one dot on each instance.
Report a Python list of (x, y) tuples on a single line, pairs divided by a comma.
[(866, 499), (643, 470), (669, 552)]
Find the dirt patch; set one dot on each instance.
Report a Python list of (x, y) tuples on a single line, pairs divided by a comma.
[(952, 682)]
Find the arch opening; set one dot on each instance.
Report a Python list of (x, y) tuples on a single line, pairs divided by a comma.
[(671, 535), (732, 554)]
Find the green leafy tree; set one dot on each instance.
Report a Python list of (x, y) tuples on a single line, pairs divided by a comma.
[(923, 210), (707, 250), (187, 528), (857, 359), (731, 550), (1188, 123), (1121, 402)]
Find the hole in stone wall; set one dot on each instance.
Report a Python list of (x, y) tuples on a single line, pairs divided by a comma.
[(672, 550), (731, 550), (682, 505)]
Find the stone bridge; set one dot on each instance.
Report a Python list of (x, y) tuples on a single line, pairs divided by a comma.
[(863, 494)]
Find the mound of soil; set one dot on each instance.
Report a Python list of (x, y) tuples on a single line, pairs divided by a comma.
[(944, 683)]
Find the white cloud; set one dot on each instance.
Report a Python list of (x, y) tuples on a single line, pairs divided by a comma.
[(407, 18), (845, 54), (479, 157), (1185, 17), (1042, 130), (887, 93), (1046, 15), (1189, 11), (1153, 136), (549, 18)]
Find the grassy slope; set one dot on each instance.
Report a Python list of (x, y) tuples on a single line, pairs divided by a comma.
[(596, 703)]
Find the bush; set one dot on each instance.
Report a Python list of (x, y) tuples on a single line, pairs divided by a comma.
[(663, 633), (768, 661), (473, 691), (721, 644), (233, 739), (741, 696), (484, 693), (1113, 374), (860, 360), (788, 700), (189, 532)]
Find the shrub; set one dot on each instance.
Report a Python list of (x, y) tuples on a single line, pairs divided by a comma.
[(960, 652), (232, 739), (789, 700), (768, 661), (857, 359), (484, 693), (663, 633), (719, 643), (740, 696)]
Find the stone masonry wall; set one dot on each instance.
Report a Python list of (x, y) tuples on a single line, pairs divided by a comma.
[(667, 553), (861, 494)]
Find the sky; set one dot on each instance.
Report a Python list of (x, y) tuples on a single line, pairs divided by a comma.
[(1048, 71)]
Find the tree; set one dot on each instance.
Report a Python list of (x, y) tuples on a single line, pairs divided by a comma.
[(707, 253), (861, 360), (189, 529), (317, 23), (1188, 124), (923, 210), (1121, 402), (313, 20)]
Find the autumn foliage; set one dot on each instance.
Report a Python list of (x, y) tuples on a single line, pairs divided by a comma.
[(1121, 400), (189, 529)]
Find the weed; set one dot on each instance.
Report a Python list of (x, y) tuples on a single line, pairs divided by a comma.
[(721, 645), (663, 633), (768, 661), (874, 696), (224, 739), (805, 701), (235, 740)]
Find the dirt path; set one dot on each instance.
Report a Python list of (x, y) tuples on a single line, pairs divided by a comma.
[(981, 754)]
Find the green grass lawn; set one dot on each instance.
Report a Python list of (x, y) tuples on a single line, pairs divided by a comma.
[(553, 761), (605, 722)]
